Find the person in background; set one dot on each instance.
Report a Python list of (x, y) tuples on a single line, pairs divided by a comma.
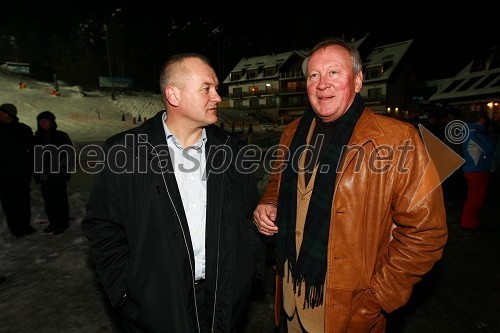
[(454, 187), (54, 159), (478, 151), (355, 204), (495, 166), (169, 216), (16, 163)]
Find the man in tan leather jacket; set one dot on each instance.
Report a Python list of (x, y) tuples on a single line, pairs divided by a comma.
[(355, 203)]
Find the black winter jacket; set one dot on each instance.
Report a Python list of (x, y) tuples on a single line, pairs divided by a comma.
[(140, 241), (54, 156), (16, 153)]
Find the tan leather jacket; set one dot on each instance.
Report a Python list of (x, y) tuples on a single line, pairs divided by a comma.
[(384, 235)]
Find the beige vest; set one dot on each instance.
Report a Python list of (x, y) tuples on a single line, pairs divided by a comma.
[(313, 320)]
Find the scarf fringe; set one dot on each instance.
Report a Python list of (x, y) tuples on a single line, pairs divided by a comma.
[(314, 293)]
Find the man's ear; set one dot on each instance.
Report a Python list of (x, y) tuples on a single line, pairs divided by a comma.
[(358, 82), (172, 94)]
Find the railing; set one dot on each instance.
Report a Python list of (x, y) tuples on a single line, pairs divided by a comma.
[(378, 99), (291, 75), (264, 93), (291, 91)]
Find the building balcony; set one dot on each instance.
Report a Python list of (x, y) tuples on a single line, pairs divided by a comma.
[(291, 75)]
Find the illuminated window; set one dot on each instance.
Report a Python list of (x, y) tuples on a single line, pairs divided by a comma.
[(253, 90), (291, 86)]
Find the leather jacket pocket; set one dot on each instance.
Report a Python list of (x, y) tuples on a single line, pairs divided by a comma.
[(365, 313)]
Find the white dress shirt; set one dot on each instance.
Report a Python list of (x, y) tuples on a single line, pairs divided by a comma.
[(189, 168)]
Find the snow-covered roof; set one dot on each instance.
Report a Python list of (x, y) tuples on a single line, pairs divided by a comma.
[(260, 62), (479, 79), (387, 55)]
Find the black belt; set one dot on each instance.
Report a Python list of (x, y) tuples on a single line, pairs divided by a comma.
[(199, 282)]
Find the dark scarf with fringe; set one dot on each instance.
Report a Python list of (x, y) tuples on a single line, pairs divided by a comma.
[(310, 266)]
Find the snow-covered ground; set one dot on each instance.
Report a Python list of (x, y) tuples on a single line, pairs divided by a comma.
[(84, 115)]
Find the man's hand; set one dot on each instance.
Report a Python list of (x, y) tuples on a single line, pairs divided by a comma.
[(264, 217)]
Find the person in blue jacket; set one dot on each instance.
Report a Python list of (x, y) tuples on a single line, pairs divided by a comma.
[(478, 154)]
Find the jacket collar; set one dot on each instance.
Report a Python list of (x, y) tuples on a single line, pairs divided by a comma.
[(367, 129), (154, 129), (156, 134)]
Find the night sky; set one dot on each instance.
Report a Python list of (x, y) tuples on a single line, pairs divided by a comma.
[(445, 38)]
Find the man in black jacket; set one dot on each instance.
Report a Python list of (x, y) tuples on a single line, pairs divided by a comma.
[(54, 159), (16, 163), (169, 215)]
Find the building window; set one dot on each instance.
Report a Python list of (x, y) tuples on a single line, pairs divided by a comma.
[(252, 74), (375, 94), (496, 84), (269, 88), (453, 85), (238, 104), (291, 86), (293, 101), (269, 71), (253, 90), (235, 76), (237, 92), (271, 102), (254, 103), (469, 83), (487, 81), (374, 72)]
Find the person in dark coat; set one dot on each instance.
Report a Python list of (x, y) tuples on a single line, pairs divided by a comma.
[(54, 157), (169, 214), (16, 149)]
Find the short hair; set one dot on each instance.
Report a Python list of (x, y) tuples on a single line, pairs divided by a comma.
[(171, 70), (357, 65)]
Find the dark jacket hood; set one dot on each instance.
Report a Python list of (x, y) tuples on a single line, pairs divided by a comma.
[(49, 116)]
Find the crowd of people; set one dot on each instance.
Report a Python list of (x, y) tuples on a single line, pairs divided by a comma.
[(353, 204)]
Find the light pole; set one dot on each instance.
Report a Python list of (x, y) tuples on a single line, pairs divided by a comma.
[(106, 29), (217, 33), (109, 65)]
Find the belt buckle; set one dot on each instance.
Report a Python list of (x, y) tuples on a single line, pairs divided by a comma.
[(198, 282)]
